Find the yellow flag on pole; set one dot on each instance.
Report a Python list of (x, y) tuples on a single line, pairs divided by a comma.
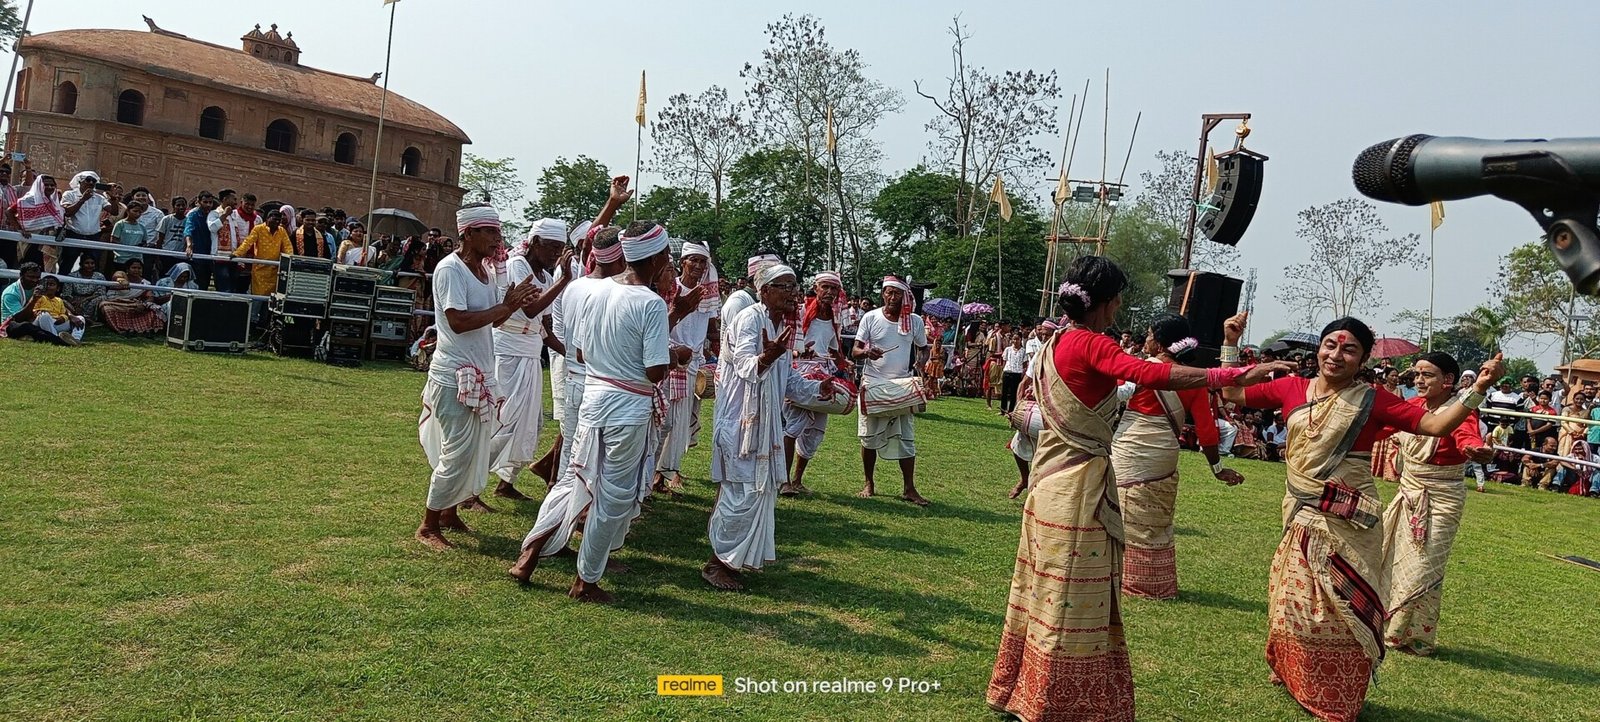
[(638, 115), (1062, 194), (833, 138), (1213, 171), (998, 195), (1437, 207), (390, 2)]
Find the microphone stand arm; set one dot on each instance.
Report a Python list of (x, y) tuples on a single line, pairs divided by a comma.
[(1549, 189)]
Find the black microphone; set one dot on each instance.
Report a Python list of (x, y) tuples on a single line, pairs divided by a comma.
[(1419, 169), (1556, 181)]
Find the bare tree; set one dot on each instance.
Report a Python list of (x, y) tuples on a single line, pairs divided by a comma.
[(800, 78), (988, 125), (1349, 245), (698, 139), (1168, 194)]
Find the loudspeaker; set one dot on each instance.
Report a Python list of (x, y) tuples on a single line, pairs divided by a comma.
[(1228, 211), (1206, 299)]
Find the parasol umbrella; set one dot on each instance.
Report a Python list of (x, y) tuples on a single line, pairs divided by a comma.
[(1302, 339), (1387, 347), (941, 308), (977, 309), (393, 222)]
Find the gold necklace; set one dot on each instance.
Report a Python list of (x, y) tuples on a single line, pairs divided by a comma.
[(1315, 423)]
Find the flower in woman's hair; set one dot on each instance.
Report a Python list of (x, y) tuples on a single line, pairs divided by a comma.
[(1072, 289), (1187, 344)]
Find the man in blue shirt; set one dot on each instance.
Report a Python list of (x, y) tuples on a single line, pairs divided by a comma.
[(197, 237)]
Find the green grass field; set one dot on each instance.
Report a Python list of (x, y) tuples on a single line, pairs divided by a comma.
[(202, 536)]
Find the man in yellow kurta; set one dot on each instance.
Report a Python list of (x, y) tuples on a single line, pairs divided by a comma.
[(267, 241)]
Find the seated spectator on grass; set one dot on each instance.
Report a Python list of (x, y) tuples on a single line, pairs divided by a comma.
[(1538, 472), (1275, 437), (85, 297), (130, 311), (16, 308), (51, 312), (181, 276)]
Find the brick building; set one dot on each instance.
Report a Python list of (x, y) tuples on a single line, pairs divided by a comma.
[(179, 115)]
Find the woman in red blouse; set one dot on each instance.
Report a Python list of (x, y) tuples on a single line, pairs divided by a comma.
[(1145, 458), (1420, 524), (1062, 654), (1326, 600)]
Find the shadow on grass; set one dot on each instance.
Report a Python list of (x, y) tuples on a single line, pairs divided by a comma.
[(1374, 711), (999, 423), (1494, 660), (1188, 531), (1221, 600), (889, 502)]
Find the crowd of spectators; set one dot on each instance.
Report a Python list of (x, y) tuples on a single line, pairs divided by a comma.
[(225, 223)]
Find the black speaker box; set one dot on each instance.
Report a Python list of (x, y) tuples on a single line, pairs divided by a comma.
[(1228, 211), (1206, 299)]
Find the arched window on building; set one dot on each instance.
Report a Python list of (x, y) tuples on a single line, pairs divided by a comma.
[(411, 162), (66, 100), (281, 136), (344, 149), (130, 107), (213, 122)]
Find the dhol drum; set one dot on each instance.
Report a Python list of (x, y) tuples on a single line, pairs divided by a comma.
[(843, 399), (705, 381), (893, 397), (1027, 419)]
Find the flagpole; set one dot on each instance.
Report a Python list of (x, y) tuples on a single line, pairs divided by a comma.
[(383, 109), (1431, 231), (638, 150)]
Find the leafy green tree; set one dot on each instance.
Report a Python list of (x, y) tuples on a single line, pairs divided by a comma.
[(493, 181), (573, 191), (1519, 367), (1536, 296), (768, 208), (918, 205), (10, 23), (687, 213)]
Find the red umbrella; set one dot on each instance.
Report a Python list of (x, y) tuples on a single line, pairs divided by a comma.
[(1388, 347)]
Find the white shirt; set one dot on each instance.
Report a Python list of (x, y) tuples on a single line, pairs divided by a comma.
[(86, 222), (454, 287), (623, 332), (881, 333), (755, 395), (1275, 434), (573, 304), (692, 330), (520, 335), (1032, 346), (737, 302), (823, 337), (1016, 359), (151, 221)]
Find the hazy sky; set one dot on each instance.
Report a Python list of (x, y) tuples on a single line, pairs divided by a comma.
[(535, 80)]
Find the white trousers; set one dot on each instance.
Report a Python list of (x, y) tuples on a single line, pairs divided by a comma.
[(558, 385), (456, 441), (516, 443), (69, 326)]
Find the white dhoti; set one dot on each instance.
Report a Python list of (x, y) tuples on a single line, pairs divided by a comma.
[(677, 432), (806, 427), (612, 463), (743, 524), (893, 437), (515, 443), (563, 505), (456, 441), (558, 385), (1022, 445)]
